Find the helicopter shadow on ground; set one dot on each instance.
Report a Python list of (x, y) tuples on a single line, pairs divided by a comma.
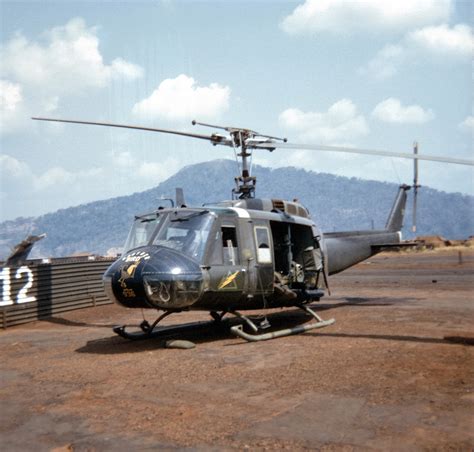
[(364, 302), (212, 331), (385, 301), (67, 322), (208, 332), (350, 301), (454, 340)]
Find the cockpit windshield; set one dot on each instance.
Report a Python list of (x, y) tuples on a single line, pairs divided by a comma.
[(186, 232), (142, 230)]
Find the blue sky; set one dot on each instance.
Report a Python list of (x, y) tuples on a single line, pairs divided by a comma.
[(371, 74)]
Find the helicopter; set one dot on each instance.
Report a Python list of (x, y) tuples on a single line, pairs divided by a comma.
[(245, 253)]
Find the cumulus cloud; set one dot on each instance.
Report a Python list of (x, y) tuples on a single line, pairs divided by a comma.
[(441, 41), (67, 59), (455, 41), (10, 95), (59, 177), (11, 104), (468, 124), (14, 171), (123, 171), (391, 110), (181, 98), (343, 17), (146, 171), (13, 168), (340, 124), (386, 62), (63, 61)]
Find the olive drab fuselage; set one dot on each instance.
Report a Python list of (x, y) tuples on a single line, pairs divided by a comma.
[(244, 254), (216, 258)]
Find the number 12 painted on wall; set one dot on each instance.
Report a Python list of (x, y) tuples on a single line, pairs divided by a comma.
[(22, 296)]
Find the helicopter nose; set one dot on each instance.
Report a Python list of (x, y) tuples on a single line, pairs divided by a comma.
[(154, 277)]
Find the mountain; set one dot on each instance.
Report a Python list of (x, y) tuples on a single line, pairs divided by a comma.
[(335, 202)]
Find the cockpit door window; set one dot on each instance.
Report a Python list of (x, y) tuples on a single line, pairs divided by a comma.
[(262, 240), (230, 245)]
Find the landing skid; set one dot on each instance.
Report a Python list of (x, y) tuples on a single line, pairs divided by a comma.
[(238, 330), (151, 331), (148, 331)]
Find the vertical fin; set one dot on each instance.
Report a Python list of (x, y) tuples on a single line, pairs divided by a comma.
[(180, 202), (21, 251), (395, 218)]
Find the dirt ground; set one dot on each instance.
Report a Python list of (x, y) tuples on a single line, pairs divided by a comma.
[(395, 372)]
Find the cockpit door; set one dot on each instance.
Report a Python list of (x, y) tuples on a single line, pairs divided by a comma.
[(264, 258), (227, 272)]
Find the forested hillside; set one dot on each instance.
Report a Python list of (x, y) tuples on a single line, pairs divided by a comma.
[(336, 203)]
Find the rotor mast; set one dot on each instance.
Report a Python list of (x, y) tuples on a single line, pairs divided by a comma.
[(245, 183), (245, 140)]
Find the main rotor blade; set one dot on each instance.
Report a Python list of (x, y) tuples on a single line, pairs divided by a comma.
[(403, 155), (211, 138)]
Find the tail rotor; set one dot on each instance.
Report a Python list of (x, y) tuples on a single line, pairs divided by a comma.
[(415, 185)]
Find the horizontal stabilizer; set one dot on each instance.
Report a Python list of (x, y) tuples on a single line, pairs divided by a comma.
[(391, 246)]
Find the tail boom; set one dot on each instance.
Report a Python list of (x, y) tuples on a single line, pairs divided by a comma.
[(345, 249)]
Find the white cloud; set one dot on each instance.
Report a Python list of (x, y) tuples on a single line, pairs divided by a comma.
[(181, 98), (10, 95), (436, 41), (340, 124), (53, 176), (467, 124), (65, 61), (156, 172), (391, 110), (343, 17), (146, 171), (456, 41), (122, 159), (121, 68), (386, 62), (69, 60), (123, 170), (14, 171), (11, 105), (12, 168)]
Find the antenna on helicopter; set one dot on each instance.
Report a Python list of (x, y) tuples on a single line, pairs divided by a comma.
[(415, 185)]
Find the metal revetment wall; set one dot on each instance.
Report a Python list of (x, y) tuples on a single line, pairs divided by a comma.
[(38, 290)]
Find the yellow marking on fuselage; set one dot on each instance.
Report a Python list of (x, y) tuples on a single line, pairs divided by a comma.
[(228, 280), (131, 270)]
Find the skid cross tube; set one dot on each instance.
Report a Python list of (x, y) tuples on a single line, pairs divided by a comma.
[(237, 330)]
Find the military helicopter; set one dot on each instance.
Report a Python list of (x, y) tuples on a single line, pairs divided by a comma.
[(241, 254)]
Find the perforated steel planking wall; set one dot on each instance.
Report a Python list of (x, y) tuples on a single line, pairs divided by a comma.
[(38, 290)]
